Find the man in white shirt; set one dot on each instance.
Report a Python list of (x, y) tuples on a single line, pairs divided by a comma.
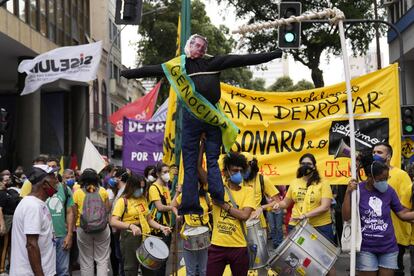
[(33, 249)]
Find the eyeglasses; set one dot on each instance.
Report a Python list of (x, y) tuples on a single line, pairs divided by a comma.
[(306, 163)]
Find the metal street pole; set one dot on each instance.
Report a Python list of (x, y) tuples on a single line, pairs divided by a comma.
[(108, 77)]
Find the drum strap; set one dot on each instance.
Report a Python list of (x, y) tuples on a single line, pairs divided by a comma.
[(251, 248), (235, 206)]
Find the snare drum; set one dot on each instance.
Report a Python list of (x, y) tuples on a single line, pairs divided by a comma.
[(304, 252), (197, 238), (152, 253), (256, 241)]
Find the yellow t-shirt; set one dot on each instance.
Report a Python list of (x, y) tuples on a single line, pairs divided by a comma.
[(26, 188), (227, 230), (269, 191), (306, 199), (196, 220), (75, 187), (401, 183), (79, 196), (135, 206), (154, 195)]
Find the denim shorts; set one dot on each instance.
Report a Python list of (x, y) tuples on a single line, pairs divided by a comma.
[(367, 261)]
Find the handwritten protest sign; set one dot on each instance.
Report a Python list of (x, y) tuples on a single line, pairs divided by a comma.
[(279, 127)]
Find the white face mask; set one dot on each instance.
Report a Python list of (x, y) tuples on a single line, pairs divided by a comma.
[(165, 177), (151, 178)]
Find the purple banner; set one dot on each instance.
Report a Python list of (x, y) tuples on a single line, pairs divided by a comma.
[(142, 144)]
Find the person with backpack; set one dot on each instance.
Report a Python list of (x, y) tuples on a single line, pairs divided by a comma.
[(160, 204), (132, 218), (91, 201)]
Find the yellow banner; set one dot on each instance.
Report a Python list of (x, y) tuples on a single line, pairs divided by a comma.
[(279, 127), (169, 134)]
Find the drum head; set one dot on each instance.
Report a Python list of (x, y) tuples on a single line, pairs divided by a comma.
[(194, 231), (156, 247), (252, 222)]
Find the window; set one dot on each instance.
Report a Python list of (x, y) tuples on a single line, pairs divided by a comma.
[(95, 95), (114, 108), (67, 23), (10, 6), (59, 22), (22, 10), (43, 23), (33, 14), (52, 21), (104, 112)]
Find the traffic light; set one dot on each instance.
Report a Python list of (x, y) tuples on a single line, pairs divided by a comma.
[(407, 120), (289, 35), (128, 12), (3, 120)]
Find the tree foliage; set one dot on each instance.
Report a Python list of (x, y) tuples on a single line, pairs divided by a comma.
[(158, 38), (315, 37), (285, 83)]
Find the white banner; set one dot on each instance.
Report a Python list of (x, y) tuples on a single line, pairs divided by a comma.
[(92, 158), (77, 63)]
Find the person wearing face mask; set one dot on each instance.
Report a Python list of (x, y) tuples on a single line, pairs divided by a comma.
[(132, 218), (379, 249), (94, 247), (262, 187), (61, 207), (117, 184), (402, 185), (159, 198), (149, 174), (312, 199), (228, 242), (33, 250)]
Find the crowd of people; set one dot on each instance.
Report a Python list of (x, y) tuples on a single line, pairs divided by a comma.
[(53, 224)]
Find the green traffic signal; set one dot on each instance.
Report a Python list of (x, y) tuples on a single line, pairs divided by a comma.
[(409, 129), (289, 37)]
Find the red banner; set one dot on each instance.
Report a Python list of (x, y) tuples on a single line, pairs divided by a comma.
[(141, 109)]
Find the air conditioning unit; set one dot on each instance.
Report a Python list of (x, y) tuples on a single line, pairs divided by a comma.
[(389, 2)]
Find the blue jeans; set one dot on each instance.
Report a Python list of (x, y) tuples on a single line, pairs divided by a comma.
[(367, 261), (196, 262), (275, 221), (192, 128), (62, 258)]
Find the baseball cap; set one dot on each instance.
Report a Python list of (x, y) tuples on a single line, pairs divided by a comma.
[(39, 172)]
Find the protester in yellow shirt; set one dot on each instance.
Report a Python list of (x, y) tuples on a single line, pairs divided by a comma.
[(312, 199), (262, 188), (160, 203), (401, 182), (131, 216), (92, 246), (228, 242)]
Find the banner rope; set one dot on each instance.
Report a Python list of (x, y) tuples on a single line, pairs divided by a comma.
[(334, 14)]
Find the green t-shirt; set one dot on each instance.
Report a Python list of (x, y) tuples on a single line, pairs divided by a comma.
[(55, 205)]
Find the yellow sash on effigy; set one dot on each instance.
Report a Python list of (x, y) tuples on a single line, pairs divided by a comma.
[(195, 103)]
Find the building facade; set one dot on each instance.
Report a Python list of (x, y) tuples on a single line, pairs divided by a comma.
[(55, 119), (401, 14)]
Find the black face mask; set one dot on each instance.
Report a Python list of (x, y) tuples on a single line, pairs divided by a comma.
[(305, 170)]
